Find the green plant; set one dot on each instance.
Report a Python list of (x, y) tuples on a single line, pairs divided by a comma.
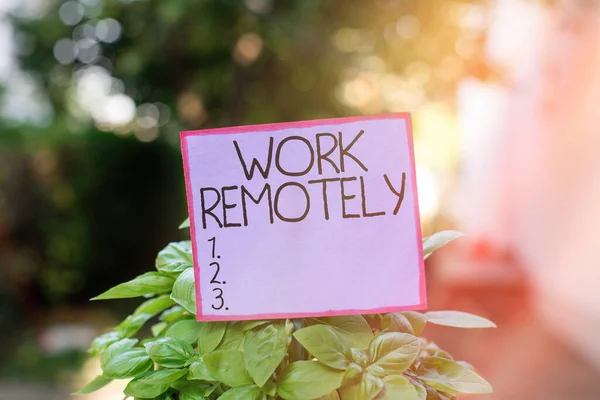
[(348, 358)]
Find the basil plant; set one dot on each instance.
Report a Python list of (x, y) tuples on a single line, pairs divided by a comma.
[(358, 357)]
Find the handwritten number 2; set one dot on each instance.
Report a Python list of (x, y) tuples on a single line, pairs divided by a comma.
[(220, 297), (214, 279)]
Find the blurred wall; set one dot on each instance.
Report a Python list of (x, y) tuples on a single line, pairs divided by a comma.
[(538, 183)]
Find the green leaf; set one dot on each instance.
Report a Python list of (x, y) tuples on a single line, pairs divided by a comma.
[(361, 357), (270, 388), (146, 284), (192, 393), (158, 329), (263, 351), (185, 224), (227, 366), (199, 371), (187, 330), (247, 325), (103, 341), (398, 387), (170, 352), (132, 324), (330, 396), (302, 380), (367, 389), (355, 328), (396, 322), (163, 376), (421, 391), (353, 374), (210, 335), (174, 314), (154, 306), (449, 376), (175, 258), (128, 364), (325, 344), (438, 240), (184, 292), (98, 383), (233, 337), (144, 388), (394, 351), (417, 321), (251, 392), (115, 349), (458, 319)]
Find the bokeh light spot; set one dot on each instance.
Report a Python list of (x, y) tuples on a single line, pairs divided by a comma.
[(65, 51), (408, 27), (71, 12), (108, 30), (248, 48)]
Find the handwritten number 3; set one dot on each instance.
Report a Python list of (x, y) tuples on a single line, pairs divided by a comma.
[(220, 297)]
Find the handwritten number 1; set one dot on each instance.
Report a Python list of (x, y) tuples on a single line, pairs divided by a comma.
[(214, 244)]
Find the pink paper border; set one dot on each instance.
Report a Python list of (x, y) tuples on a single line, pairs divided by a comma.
[(303, 124)]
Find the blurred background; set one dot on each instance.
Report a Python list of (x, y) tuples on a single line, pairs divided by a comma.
[(505, 99)]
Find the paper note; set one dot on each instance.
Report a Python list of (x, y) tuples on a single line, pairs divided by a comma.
[(311, 218)]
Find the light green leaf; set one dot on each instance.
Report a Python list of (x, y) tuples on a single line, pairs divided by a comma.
[(163, 376), (98, 383), (270, 388), (154, 306), (326, 344), (158, 329), (184, 292), (438, 240), (210, 336), (417, 321), (367, 389), (263, 351), (143, 388), (330, 396), (187, 330), (458, 319), (247, 325), (394, 351), (146, 284), (198, 371), (352, 375), (174, 314), (185, 224), (398, 387), (302, 380), (132, 324), (175, 258), (103, 341), (449, 376), (396, 322), (170, 352), (251, 392), (233, 338), (227, 366), (421, 391), (355, 328), (192, 393), (128, 364), (115, 349), (361, 357)]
